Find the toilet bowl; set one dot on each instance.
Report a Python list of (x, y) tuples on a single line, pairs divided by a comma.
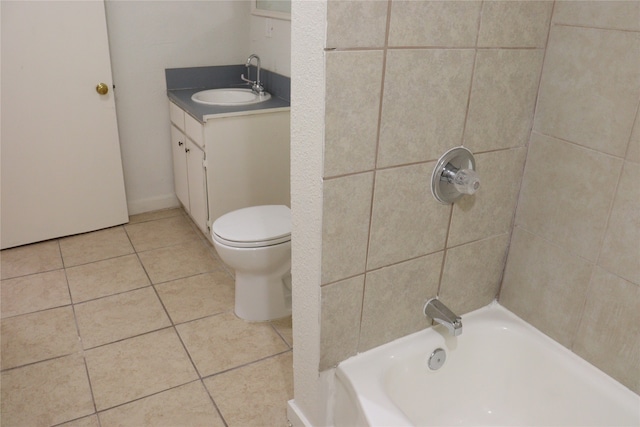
[(256, 243)]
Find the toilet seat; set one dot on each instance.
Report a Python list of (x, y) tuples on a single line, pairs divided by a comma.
[(256, 226)]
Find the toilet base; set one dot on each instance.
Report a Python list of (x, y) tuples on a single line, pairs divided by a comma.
[(261, 298)]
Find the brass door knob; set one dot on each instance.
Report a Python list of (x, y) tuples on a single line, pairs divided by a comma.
[(102, 89)]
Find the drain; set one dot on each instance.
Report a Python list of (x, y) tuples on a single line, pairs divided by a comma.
[(437, 358)]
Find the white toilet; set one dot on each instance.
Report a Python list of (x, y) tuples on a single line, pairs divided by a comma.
[(256, 243)]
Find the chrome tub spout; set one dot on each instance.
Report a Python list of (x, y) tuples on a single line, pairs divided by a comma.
[(442, 315)]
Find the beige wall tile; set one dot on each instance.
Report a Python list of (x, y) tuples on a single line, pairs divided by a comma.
[(394, 297), (222, 342), (176, 262), (35, 292), (596, 110), (407, 221), (351, 111), (160, 233), (198, 296), (30, 259), (47, 393), (267, 385), (107, 277), (187, 405), (472, 274), (621, 15), (128, 370), (434, 23), (38, 336), (503, 96), (633, 152), (120, 316), (490, 210), (340, 320), (621, 247), (356, 23), (514, 23), (95, 246), (424, 104), (345, 230), (545, 285), (610, 327), (566, 194)]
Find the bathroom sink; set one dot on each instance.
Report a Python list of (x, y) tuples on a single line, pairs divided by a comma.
[(229, 97)]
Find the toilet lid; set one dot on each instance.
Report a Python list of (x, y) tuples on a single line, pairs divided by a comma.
[(254, 224)]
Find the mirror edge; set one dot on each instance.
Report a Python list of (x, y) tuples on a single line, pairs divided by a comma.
[(268, 13)]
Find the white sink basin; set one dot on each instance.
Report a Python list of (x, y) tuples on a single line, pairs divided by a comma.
[(229, 97)]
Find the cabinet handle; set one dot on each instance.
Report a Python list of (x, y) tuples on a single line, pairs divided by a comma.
[(180, 143)]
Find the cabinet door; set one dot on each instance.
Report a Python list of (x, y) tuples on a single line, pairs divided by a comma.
[(180, 181), (197, 185)]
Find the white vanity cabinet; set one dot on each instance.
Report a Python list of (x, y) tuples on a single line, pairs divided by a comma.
[(189, 165), (233, 161)]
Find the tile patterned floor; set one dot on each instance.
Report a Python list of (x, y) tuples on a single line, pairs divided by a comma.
[(134, 326)]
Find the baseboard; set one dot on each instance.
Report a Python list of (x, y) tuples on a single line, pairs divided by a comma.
[(152, 204)]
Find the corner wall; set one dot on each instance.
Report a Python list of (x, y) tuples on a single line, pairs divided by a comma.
[(574, 263), (148, 36)]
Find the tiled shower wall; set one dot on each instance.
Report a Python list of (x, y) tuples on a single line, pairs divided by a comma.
[(574, 264), (406, 81)]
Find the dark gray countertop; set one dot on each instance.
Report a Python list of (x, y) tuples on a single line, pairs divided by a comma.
[(182, 83)]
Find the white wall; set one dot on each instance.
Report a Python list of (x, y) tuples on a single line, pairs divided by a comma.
[(274, 50), (307, 142), (145, 38), (148, 36)]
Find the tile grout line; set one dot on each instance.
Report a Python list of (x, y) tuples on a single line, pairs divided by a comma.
[(172, 324), (175, 330)]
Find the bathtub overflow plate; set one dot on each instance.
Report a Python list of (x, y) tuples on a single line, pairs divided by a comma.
[(437, 358)]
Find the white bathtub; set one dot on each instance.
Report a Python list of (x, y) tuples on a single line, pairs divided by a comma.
[(500, 372)]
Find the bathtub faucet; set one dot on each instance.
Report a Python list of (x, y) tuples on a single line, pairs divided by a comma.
[(441, 314)]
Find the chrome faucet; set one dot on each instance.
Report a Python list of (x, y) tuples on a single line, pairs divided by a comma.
[(256, 85), (441, 314)]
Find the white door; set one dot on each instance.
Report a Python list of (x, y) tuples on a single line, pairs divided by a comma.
[(61, 166)]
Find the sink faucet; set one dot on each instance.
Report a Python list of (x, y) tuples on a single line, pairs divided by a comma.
[(256, 86), (441, 314)]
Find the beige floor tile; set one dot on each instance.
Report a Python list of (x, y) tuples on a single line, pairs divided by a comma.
[(107, 277), (95, 246), (160, 233), (179, 261), (150, 216), (46, 393), (91, 421), (255, 395), (35, 292), (38, 336), (197, 296), (285, 329), (120, 316), (223, 342), (138, 367), (187, 405), (30, 259)]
